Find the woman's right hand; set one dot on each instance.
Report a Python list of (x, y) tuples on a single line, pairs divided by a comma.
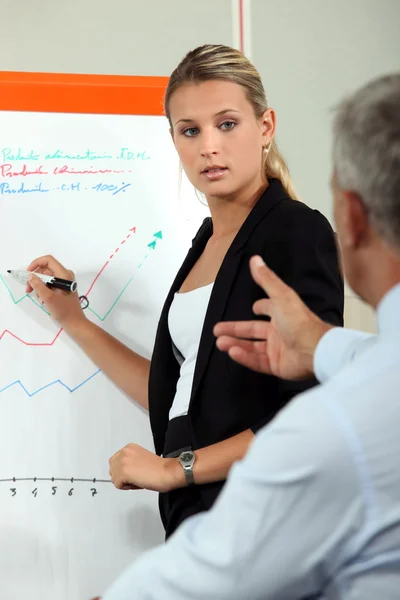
[(63, 306)]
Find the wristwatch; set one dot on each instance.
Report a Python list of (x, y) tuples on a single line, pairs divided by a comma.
[(187, 459)]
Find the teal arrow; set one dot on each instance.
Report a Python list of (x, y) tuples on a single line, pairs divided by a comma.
[(157, 235)]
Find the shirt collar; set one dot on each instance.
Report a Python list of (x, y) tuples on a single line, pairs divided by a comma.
[(388, 312)]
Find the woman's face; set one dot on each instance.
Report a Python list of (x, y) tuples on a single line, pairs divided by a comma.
[(218, 137)]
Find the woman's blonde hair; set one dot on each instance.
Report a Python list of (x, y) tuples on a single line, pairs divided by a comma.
[(210, 62)]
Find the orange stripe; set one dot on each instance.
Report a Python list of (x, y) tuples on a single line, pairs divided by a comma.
[(75, 93)]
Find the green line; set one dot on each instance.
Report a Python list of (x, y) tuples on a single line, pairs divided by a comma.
[(23, 297), (11, 294), (112, 306), (89, 308), (38, 305)]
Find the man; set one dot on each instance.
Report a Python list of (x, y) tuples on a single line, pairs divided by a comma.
[(313, 510)]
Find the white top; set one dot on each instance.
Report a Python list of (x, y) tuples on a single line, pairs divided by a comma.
[(313, 510), (185, 321)]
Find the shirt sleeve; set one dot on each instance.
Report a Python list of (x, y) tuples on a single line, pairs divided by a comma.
[(337, 349), (277, 519)]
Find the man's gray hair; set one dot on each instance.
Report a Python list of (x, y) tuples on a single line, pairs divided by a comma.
[(366, 152)]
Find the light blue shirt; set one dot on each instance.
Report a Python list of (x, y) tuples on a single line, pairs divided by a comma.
[(313, 510)]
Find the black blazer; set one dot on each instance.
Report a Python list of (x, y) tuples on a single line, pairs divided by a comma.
[(299, 245)]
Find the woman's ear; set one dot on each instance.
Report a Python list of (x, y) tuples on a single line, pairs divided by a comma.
[(171, 132), (268, 125)]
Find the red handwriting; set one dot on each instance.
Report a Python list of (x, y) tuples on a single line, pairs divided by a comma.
[(6, 170), (70, 171)]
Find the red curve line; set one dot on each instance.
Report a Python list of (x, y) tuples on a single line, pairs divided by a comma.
[(96, 278), (60, 330)]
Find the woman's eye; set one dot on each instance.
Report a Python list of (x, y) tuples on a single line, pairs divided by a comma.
[(227, 125), (190, 132)]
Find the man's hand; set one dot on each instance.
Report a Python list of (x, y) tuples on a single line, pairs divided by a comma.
[(134, 467), (284, 346)]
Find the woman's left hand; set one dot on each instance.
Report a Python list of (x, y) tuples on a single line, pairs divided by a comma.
[(134, 467)]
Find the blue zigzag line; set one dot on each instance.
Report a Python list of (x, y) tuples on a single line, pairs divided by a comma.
[(18, 382)]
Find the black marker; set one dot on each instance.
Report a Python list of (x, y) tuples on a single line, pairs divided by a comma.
[(49, 280)]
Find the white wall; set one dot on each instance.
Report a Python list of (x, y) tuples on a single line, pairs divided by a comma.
[(310, 54), (129, 37)]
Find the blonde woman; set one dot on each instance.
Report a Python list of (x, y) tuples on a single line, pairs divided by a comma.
[(204, 408)]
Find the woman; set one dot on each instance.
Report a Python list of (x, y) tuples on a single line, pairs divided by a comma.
[(204, 408)]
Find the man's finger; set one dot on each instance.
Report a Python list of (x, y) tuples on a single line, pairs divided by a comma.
[(272, 285), (225, 343), (255, 362), (263, 307), (250, 330)]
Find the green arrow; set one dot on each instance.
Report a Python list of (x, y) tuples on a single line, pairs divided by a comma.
[(152, 244), (158, 235)]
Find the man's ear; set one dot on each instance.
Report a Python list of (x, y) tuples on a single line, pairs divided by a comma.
[(354, 220)]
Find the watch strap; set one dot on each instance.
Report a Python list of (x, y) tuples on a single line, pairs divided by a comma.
[(189, 475)]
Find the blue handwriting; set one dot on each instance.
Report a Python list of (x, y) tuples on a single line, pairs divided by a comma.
[(6, 188)]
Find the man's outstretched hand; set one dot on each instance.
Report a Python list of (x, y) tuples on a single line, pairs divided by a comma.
[(283, 346)]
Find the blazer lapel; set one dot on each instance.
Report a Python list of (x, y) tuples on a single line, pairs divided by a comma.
[(198, 245), (226, 277)]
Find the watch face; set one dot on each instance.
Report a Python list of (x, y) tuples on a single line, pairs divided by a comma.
[(186, 456)]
